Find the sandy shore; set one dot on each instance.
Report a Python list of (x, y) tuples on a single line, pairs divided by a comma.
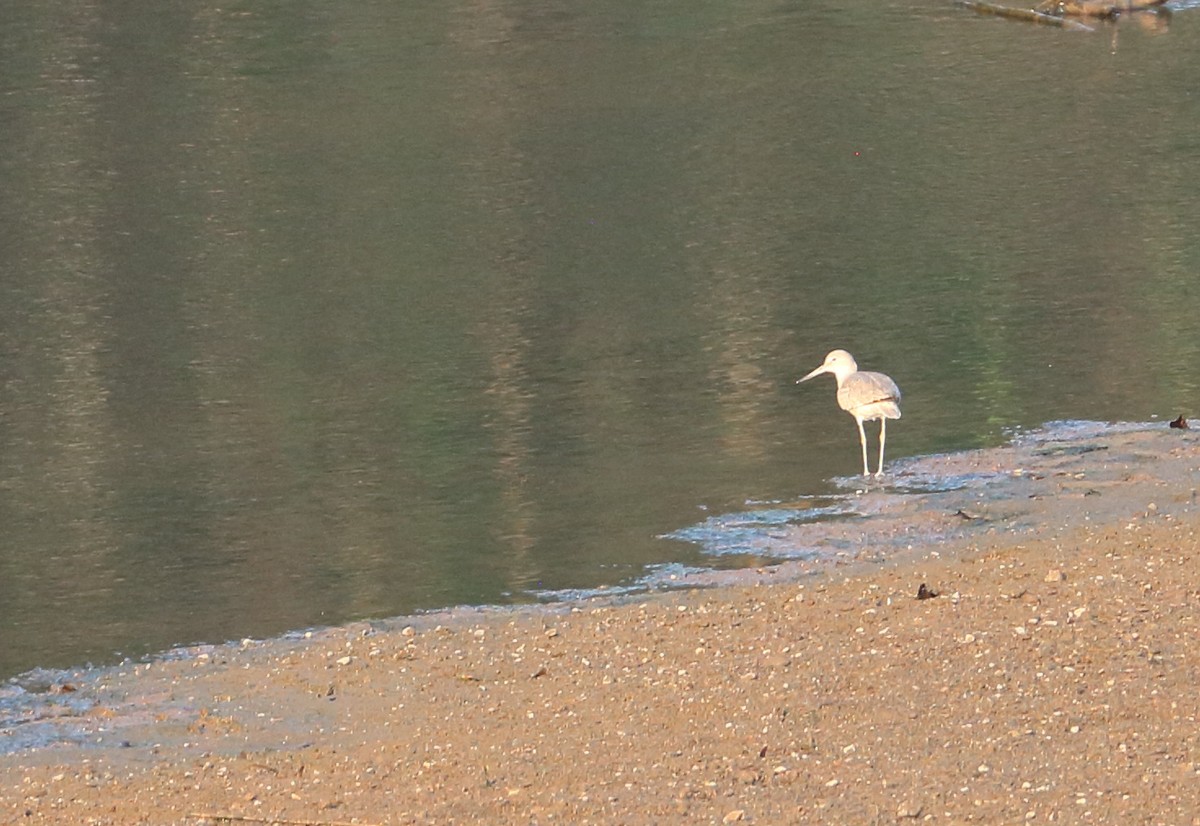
[(1053, 679)]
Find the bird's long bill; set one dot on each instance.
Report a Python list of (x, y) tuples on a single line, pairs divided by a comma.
[(816, 372)]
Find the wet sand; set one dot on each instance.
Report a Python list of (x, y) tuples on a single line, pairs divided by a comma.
[(1051, 680)]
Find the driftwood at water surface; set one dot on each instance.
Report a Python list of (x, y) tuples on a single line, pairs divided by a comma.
[(1063, 13), (1098, 9), (1028, 15)]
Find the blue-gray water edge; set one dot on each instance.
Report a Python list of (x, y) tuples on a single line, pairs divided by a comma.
[(1074, 488)]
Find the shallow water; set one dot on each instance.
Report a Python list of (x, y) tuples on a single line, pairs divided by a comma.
[(314, 314), (1045, 484)]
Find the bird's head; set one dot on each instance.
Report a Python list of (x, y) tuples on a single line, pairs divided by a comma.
[(838, 362)]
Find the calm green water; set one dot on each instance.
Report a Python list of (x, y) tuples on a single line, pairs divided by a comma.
[(312, 312)]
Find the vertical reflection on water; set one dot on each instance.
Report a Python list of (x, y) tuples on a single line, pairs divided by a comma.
[(496, 179), (740, 305), (743, 338), (55, 421)]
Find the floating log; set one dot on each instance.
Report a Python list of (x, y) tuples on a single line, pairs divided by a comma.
[(1028, 15), (1098, 9)]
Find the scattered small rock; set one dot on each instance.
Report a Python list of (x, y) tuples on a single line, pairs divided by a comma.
[(1055, 575), (925, 592)]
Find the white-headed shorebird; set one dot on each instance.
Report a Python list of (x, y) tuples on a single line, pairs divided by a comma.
[(864, 395)]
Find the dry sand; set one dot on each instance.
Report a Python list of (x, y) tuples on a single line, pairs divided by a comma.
[(1052, 680)]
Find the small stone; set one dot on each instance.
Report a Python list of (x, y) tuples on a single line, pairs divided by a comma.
[(908, 811), (1055, 575), (735, 816), (345, 660)]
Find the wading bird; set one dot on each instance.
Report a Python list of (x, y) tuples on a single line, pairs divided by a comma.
[(864, 395)]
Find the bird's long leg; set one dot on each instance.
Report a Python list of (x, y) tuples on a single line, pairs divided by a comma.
[(862, 439), (882, 439)]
